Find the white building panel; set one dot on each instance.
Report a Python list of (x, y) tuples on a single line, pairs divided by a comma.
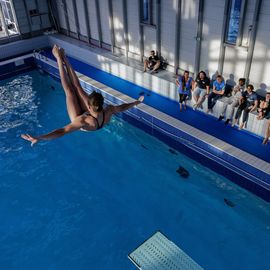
[(149, 40), (71, 16), (168, 23), (81, 17), (188, 32), (118, 23), (92, 15), (235, 61), (133, 26), (260, 67), (105, 21), (61, 15), (212, 31)]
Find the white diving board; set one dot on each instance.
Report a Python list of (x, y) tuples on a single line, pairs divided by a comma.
[(159, 253)]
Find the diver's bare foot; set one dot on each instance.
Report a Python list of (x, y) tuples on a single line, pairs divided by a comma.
[(55, 51), (62, 53)]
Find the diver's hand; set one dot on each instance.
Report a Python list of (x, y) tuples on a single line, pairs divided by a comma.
[(29, 138), (140, 100)]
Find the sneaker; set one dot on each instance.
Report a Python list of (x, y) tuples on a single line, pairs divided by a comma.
[(220, 118), (227, 121)]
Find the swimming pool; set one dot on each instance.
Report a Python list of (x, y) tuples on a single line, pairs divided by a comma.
[(88, 199)]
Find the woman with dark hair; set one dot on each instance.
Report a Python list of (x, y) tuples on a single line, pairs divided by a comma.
[(86, 112), (184, 84)]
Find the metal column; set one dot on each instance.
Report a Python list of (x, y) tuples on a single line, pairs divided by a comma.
[(85, 6), (124, 3), (66, 16), (252, 38), (223, 34), (199, 38), (98, 23), (111, 25), (177, 37), (75, 11), (158, 29), (140, 29)]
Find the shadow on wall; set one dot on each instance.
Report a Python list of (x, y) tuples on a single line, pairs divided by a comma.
[(231, 80), (262, 90)]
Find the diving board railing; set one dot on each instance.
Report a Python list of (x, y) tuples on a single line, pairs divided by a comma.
[(159, 253)]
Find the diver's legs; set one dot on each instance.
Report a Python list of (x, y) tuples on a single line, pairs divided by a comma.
[(73, 107)]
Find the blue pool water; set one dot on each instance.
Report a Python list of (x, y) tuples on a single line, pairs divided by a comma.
[(88, 199), (243, 140)]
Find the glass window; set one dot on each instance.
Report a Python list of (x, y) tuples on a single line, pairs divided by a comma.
[(8, 24), (234, 21), (146, 11)]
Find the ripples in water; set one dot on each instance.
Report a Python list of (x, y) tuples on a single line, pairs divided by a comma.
[(18, 106)]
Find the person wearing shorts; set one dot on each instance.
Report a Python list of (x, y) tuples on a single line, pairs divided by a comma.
[(201, 89), (184, 84), (152, 63)]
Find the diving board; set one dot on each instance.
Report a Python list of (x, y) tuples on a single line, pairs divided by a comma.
[(159, 253)]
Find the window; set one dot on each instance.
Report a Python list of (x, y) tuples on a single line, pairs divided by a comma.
[(147, 14), (234, 21), (8, 24)]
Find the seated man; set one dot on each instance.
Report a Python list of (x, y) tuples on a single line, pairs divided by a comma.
[(201, 88), (248, 103), (218, 91), (152, 63), (232, 98)]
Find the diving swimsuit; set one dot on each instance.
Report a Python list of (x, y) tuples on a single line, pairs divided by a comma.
[(97, 123)]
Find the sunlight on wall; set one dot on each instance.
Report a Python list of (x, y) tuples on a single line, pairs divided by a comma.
[(211, 59), (260, 66), (189, 9)]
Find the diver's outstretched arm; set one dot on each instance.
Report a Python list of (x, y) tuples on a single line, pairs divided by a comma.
[(73, 126), (126, 106)]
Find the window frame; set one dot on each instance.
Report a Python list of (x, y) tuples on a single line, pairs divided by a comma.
[(239, 38), (149, 20), (15, 22)]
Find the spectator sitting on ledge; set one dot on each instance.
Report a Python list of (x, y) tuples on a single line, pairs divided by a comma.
[(218, 91), (264, 107), (201, 89), (152, 63), (248, 103)]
